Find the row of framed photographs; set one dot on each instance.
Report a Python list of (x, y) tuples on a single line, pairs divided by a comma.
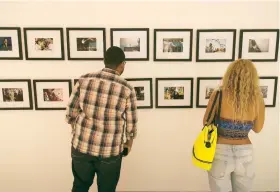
[(212, 45), (16, 94), (178, 92)]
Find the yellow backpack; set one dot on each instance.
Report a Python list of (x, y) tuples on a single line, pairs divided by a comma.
[(204, 147)]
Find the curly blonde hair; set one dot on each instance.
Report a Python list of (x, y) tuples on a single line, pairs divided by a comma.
[(241, 83)]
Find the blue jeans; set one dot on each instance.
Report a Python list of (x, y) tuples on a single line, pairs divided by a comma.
[(232, 169)]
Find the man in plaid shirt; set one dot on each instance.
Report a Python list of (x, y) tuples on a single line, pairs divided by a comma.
[(102, 108)]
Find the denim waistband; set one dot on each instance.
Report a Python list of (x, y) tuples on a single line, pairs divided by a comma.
[(237, 147)]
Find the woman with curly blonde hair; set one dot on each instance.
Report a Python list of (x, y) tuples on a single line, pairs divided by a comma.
[(242, 110)]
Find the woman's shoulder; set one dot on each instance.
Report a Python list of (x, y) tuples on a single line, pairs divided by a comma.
[(214, 94), (217, 89)]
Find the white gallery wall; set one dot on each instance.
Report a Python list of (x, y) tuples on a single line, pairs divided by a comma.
[(35, 145)]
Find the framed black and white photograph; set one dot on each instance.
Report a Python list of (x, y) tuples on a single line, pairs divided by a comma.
[(133, 41), (173, 44), (144, 91), (86, 43), (268, 86), (15, 94), (10, 43), (44, 43), (51, 94), (260, 45), (174, 92), (205, 87), (215, 45)]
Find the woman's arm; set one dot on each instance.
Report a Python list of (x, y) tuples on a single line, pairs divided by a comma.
[(259, 122)]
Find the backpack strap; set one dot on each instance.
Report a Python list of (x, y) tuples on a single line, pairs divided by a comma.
[(212, 107), (218, 117)]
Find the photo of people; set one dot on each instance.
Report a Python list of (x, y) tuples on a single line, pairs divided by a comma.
[(43, 44), (12, 94), (264, 90), (208, 92), (130, 44), (258, 45), (86, 44), (172, 93), (6, 44), (172, 45), (140, 93), (215, 46), (53, 94)]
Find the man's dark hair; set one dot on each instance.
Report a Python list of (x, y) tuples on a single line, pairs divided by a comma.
[(113, 57)]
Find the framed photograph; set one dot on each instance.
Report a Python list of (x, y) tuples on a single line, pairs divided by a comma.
[(205, 87), (44, 43), (144, 92), (174, 92), (133, 41), (173, 44), (15, 94), (268, 86), (10, 43), (260, 45), (86, 43), (215, 45), (51, 94)]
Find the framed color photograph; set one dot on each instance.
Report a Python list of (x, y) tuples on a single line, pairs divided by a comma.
[(268, 86), (174, 92), (144, 92), (205, 87), (133, 41), (86, 43), (10, 43), (51, 94), (215, 45), (173, 44), (15, 94), (259, 45), (44, 43)]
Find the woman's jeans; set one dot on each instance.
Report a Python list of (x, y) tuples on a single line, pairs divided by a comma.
[(232, 169)]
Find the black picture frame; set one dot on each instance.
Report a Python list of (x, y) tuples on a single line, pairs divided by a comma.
[(84, 29), (28, 81), (275, 89), (43, 29), (151, 91), (18, 29), (112, 30), (242, 31), (35, 81), (174, 79), (173, 30), (215, 30), (198, 80)]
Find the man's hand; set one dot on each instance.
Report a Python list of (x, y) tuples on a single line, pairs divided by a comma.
[(128, 145)]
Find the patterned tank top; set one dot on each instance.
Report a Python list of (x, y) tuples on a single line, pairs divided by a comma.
[(236, 130)]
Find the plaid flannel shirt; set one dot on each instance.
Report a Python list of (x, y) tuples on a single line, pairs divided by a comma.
[(101, 109)]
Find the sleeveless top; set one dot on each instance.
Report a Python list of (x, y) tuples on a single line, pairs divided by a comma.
[(236, 130)]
